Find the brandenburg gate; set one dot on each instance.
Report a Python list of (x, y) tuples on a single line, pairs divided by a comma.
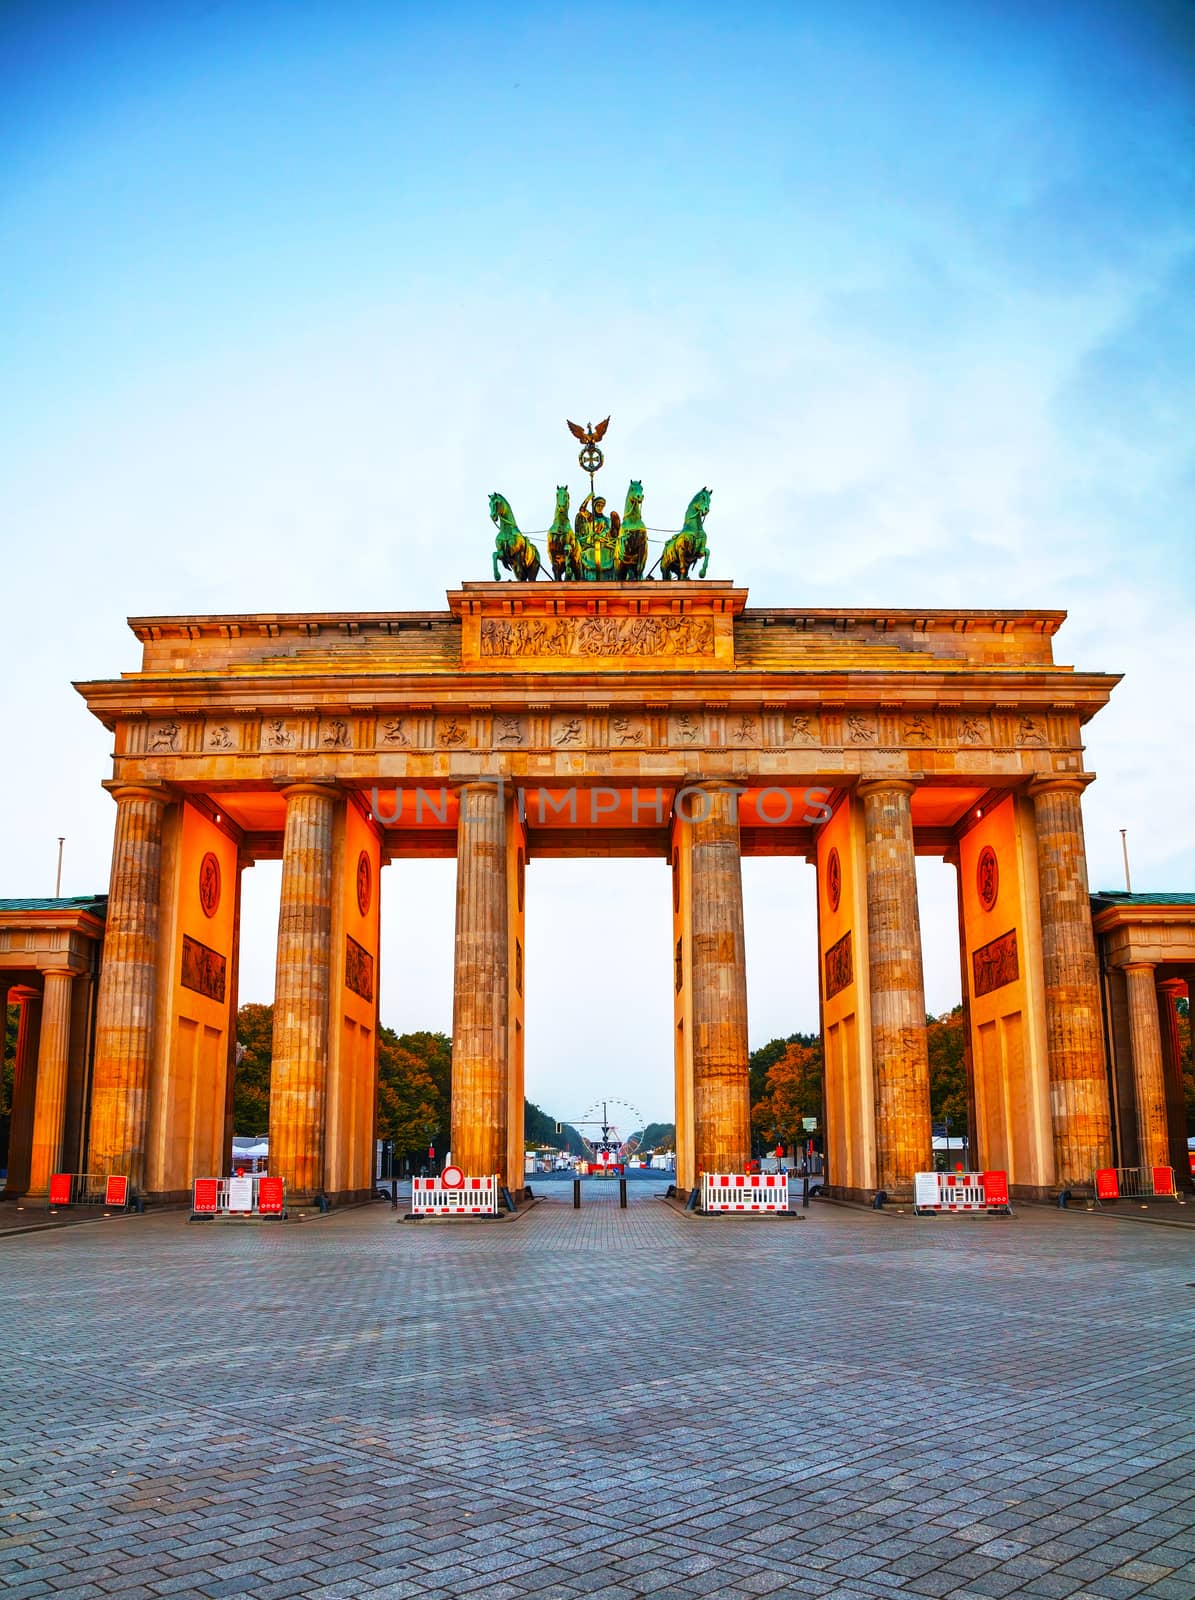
[(664, 719)]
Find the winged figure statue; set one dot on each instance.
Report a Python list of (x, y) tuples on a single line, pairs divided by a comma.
[(588, 434)]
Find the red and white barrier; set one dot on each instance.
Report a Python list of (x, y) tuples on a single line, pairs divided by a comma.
[(744, 1191), (111, 1190), (935, 1192), (1135, 1183), (454, 1195), (260, 1196)]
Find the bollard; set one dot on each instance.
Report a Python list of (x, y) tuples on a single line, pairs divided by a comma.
[(576, 1194), (622, 1194)]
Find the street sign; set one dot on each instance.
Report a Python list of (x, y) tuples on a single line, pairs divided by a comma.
[(452, 1177), (809, 1124)]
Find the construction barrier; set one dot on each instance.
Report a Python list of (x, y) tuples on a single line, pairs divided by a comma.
[(260, 1196), (744, 1191), (935, 1192), (454, 1195), (1135, 1183), (111, 1190)]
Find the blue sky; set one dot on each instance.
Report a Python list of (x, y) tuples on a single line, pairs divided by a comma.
[(288, 289)]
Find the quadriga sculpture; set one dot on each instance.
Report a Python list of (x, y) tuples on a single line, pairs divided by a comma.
[(688, 546), (564, 550), (630, 549), (512, 548)]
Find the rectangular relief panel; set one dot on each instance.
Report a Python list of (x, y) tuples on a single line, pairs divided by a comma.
[(1002, 961), (842, 937), (352, 1033), (196, 989)]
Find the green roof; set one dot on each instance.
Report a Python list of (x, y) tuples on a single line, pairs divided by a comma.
[(96, 904), (1122, 897)]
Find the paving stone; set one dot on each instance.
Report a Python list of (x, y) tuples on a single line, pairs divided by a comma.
[(431, 1425)]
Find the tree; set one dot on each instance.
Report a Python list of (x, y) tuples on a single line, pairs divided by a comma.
[(409, 1109), (792, 1091), (12, 1020), (251, 1085), (946, 1037)]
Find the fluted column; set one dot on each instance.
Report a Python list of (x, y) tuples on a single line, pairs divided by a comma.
[(718, 969), (1149, 1086), (899, 1046), (124, 1032), (53, 1057), (1074, 1038), (480, 999), (302, 984), (24, 1087)]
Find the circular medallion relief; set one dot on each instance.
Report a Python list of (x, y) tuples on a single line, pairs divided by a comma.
[(364, 883), (209, 884), (833, 880), (987, 877)]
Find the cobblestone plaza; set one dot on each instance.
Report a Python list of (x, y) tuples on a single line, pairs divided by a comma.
[(600, 1403)]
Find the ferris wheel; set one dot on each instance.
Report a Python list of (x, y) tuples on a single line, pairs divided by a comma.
[(622, 1125)]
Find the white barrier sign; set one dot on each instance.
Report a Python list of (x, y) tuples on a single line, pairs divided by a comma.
[(925, 1189), (240, 1194)]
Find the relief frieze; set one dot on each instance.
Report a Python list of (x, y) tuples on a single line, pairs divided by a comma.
[(917, 729), (203, 970), (840, 966), (994, 965), (358, 968), (686, 729), (278, 734), (804, 728), (626, 731), (597, 636)]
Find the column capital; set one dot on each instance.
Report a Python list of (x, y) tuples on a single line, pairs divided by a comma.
[(1139, 966), (1060, 783), (1172, 986), (160, 793), (871, 786), (495, 785), (694, 780), (289, 787), (60, 972)]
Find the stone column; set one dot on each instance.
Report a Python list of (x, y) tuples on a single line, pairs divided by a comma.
[(1149, 1085), (24, 1088), (480, 1000), (1078, 1080), (718, 973), (899, 1046), (124, 1032), (53, 1057), (302, 985)]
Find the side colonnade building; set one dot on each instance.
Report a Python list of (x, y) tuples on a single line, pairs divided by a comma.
[(654, 719)]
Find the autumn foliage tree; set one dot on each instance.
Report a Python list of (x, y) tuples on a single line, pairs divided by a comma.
[(791, 1091)]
